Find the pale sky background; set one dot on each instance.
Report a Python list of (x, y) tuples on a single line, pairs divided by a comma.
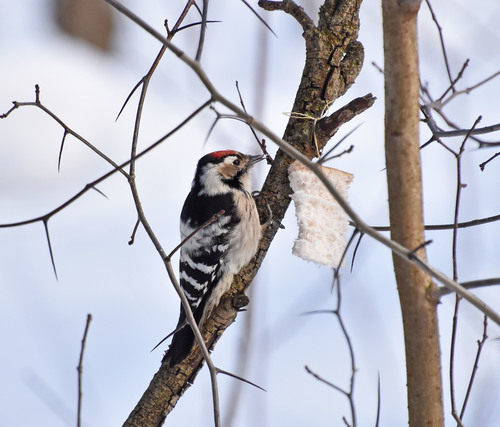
[(126, 288)]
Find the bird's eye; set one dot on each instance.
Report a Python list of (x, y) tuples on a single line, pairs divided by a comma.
[(236, 162)]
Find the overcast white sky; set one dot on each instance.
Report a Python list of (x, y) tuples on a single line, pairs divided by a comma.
[(126, 289)]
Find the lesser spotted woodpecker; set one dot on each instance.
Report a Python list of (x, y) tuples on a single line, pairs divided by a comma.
[(210, 259)]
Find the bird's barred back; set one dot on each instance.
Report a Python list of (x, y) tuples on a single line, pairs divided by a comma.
[(211, 257)]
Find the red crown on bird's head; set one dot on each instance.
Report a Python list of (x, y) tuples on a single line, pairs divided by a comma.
[(222, 153)]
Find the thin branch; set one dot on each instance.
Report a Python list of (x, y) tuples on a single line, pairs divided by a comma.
[(473, 284), (261, 19), (441, 38), (337, 312), (132, 237), (452, 362), (351, 354), (379, 398), (468, 90), (324, 158), (462, 132), (480, 345), (80, 370), (138, 84), (483, 165), (455, 271), (61, 151), (356, 248), (262, 143), (441, 102), (328, 383), (199, 339), (46, 226), (229, 374), (181, 326), (457, 198), (67, 129), (439, 133), (214, 218), (92, 185), (439, 227), (145, 84), (202, 30), (193, 24)]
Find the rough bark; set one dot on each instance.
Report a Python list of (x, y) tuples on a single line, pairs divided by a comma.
[(333, 61), (417, 292)]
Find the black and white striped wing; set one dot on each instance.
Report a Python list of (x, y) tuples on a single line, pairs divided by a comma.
[(200, 269)]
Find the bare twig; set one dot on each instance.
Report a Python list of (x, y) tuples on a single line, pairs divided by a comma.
[(439, 133), (459, 188), (439, 227), (134, 231), (66, 128), (472, 285), (483, 165), (201, 227), (462, 132), (441, 102), (379, 399), (202, 30), (261, 19), (262, 143), (348, 393), (229, 374), (326, 156), (441, 38), (328, 383), (199, 339), (480, 345), (468, 90), (92, 185), (452, 363), (80, 370), (46, 227)]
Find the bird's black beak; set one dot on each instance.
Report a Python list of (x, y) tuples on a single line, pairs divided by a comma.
[(255, 159)]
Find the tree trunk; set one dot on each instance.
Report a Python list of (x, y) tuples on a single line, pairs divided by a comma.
[(417, 292)]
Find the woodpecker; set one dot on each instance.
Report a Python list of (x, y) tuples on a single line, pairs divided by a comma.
[(211, 258)]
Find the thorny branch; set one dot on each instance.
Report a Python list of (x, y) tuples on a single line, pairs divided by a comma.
[(67, 130), (44, 219), (297, 155)]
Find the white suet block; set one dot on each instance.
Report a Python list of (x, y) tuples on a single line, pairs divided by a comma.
[(322, 222)]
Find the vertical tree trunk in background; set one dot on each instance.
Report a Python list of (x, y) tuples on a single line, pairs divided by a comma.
[(416, 290)]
